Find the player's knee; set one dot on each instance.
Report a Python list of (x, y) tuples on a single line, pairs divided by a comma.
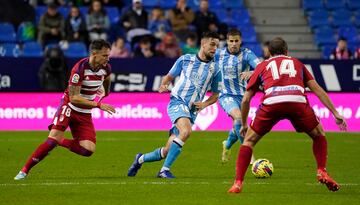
[(185, 132)]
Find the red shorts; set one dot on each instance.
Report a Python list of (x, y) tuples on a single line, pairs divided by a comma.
[(81, 125), (301, 116)]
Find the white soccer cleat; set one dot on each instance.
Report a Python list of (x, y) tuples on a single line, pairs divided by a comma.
[(252, 159), (20, 176), (225, 157)]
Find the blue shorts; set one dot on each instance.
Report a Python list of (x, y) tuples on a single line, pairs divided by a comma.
[(230, 102)]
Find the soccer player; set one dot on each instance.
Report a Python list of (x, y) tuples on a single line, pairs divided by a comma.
[(284, 80), (236, 65), (86, 80), (197, 73)]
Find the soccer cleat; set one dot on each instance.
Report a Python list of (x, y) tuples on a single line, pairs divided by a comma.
[(225, 157), (324, 178), (135, 166), (236, 187), (165, 174), (20, 176)]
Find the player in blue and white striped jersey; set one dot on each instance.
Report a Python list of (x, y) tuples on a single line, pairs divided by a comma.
[(236, 65), (198, 73)]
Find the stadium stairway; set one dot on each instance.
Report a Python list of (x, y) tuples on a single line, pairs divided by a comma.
[(286, 19)]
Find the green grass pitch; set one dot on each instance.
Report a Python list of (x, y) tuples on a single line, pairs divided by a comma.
[(65, 178)]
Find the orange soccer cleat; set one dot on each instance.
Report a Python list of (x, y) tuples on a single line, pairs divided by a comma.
[(236, 187), (324, 178)]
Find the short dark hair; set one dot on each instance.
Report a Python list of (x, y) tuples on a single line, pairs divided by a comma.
[(342, 38), (99, 44), (278, 46), (210, 34), (233, 32), (266, 43)]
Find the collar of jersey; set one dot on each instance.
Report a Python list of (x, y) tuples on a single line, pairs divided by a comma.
[(197, 56)]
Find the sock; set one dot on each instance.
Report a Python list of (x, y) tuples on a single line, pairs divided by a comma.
[(74, 146), (39, 154), (174, 151), (232, 138), (237, 127), (320, 151), (243, 162), (153, 156)]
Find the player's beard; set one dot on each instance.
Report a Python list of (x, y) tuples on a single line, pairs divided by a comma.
[(209, 56)]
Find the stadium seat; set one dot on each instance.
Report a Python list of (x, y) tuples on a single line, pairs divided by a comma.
[(312, 5), (324, 37), (326, 50), (193, 4), (248, 34), (353, 4), (32, 49), (9, 50), (319, 18), (7, 33), (150, 3), (335, 4), (216, 4), (240, 16), (341, 17), (39, 11), (26, 32), (254, 47), (84, 10), (234, 4), (221, 14), (168, 4), (64, 11), (350, 33), (76, 50), (357, 19), (113, 13)]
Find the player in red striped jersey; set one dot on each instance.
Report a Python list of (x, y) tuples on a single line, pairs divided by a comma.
[(87, 78), (284, 80)]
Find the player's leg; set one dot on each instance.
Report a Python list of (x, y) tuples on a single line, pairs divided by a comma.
[(183, 124), (40, 153)]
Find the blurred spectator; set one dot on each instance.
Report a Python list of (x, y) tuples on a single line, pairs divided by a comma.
[(136, 17), (53, 71), (51, 26), (265, 49), (205, 20), (118, 49), (341, 52), (169, 47), (75, 26), (180, 18), (357, 53), (191, 45), (97, 21), (145, 49), (117, 3), (158, 24)]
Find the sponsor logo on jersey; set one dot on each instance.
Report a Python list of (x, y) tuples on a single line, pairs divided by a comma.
[(75, 78)]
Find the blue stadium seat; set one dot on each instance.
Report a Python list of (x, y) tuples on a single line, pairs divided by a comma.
[(26, 32), (169, 4), (353, 4), (84, 10), (32, 49), (39, 11), (76, 50), (221, 14), (319, 18), (312, 4), (113, 13), (150, 3), (324, 36), (193, 4), (357, 19), (9, 50), (335, 4), (216, 4), (64, 11), (7, 33), (341, 17), (234, 4), (350, 33), (240, 16), (326, 50), (254, 47)]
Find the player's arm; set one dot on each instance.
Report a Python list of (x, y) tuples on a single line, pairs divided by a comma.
[(165, 83), (324, 98), (104, 91), (245, 106), (211, 100), (253, 62), (77, 100)]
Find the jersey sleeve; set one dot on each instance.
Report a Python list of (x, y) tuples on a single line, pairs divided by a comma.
[(252, 59), (255, 79), (216, 83), (76, 76), (177, 67), (307, 75)]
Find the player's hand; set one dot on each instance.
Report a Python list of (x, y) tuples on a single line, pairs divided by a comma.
[(243, 130), (200, 106), (108, 108), (245, 75), (340, 121), (163, 88)]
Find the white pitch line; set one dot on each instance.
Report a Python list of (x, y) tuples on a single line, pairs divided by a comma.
[(151, 183)]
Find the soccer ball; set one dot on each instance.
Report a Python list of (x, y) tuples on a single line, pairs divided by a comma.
[(262, 168)]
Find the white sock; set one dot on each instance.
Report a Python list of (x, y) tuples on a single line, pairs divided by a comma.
[(141, 159), (164, 169)]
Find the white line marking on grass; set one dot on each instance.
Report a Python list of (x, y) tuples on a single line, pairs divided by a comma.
[(150, 183)]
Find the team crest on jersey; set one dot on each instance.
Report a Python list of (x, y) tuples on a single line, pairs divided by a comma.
[(87, 78), (75, 78)]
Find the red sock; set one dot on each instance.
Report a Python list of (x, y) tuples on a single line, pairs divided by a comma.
[(74, 146), (39, 154), (243, 162), (320, 151)]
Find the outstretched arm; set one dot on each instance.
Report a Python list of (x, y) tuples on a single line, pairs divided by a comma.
[(165, 83), (324, 98)]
